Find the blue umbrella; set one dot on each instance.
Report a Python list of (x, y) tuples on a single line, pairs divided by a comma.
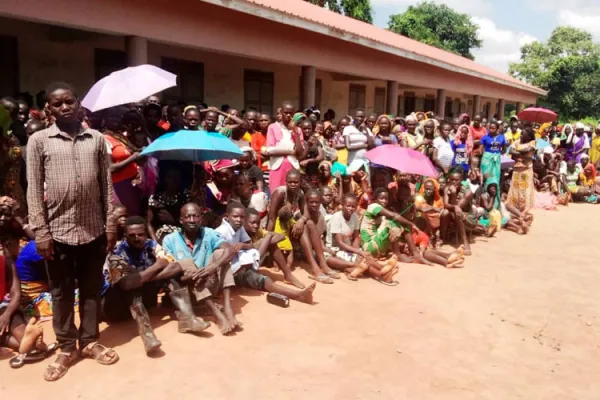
[(195, 146), (541, 144)]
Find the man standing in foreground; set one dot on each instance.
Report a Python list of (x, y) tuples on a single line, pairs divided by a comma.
[(70, 195)]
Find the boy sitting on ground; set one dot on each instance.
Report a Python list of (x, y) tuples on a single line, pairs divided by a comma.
[(246, 258), (342, 250)]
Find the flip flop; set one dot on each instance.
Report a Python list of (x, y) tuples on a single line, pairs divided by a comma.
[(321, 279), (32, 356), (383, 282), (333, 274)]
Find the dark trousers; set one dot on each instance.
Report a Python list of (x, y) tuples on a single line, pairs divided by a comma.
[(116, 301), (79, 266)]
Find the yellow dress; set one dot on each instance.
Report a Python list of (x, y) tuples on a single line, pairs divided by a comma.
[(284, 229), (595, 150)]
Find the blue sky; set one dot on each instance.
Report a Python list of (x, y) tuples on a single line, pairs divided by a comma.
[(505, 25)]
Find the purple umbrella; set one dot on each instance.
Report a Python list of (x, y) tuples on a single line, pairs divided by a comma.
[(128, 85)]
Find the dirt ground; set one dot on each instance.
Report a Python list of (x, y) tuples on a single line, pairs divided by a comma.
[(520, 321)]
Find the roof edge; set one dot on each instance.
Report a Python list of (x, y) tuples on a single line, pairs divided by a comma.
[(254, 9)]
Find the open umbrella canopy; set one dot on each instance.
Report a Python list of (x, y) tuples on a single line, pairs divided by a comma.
[(195, 146), (538, 115), (402, 159), (541, 144), (128, 85)]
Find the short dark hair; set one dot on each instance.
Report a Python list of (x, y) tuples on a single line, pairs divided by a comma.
[(252, 211), (380, 190), (293, 172), (350, 196), (135, 220), (313, 192), (234, 205), (59, 85)]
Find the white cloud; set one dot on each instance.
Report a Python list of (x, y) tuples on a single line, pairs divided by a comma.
[(587, 22), (478, 7), (500, 46)]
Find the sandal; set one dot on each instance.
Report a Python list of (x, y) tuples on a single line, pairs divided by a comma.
[(321, 279), (102, 357), (56, 371), (333, 274), (32, 356), (357, 271)]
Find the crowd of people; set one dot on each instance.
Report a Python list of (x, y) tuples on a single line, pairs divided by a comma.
[(88, 223)]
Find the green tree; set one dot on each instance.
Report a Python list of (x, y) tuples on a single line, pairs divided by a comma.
[(438, 25), (568, 66), (357, 9)]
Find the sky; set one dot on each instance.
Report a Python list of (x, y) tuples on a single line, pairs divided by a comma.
[(506, 25)]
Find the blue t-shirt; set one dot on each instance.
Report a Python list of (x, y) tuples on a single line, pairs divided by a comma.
[(460, 155), (379, 141), (207, 242), (29, 264), (493, 144)]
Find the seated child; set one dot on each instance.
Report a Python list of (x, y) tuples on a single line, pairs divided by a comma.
[(343, 251), (458, 204), (269, 240), (382, 229), (246, 258)]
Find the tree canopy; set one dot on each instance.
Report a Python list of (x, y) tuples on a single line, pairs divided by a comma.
[(438, 25), (568, 66), (357, 9)]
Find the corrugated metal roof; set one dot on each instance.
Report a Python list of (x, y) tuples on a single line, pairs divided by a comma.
[(310, 12)]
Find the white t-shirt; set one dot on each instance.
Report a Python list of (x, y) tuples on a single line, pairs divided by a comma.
[(339, 224), (244, 257), (444, 151), (355, 137)]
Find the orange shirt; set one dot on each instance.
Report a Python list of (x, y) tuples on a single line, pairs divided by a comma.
[(257, 143), (121, 153)]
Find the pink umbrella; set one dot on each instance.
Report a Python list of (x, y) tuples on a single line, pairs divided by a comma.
[(538, 115), (402, 159), (128, 85)]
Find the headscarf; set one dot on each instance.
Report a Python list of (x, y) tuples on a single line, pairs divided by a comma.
[(437, 198), (588, 175), (542, 129), (298, 117), (579, 125), (563, 135), (469, 142), (222, 164), (339, 168), (376, 127), (492, 180)]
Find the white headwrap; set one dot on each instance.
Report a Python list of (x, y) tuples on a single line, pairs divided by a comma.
[(579, 125), (548, 150)]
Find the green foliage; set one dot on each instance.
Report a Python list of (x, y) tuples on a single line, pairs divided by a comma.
[(438, 25), (568, 66), (357, 9)]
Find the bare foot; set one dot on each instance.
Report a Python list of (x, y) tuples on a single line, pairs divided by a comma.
[(306, 296), (235, 324), (292, 280), (406, 259), (224, 324), (390, 275), (468, 251), (492, 231), (33, 331), (420, 260), (457, 264)]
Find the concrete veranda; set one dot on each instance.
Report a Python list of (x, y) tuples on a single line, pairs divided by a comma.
[(520, 321)]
